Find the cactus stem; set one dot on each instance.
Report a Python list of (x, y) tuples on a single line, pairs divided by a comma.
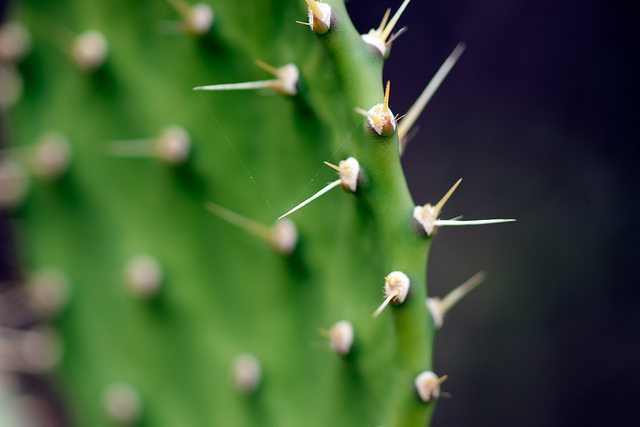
[(417, 108), (396, 289), (439, 307)]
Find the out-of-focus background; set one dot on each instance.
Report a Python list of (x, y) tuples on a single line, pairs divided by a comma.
[(540, 118)]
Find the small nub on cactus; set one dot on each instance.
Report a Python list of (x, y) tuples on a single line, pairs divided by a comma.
[(285, 236), (51, 156), (122, 404), (174, 145), (380, 118), (15, 42), (200, 19), (341, 336), (47, 292), (246, 373), (90, 50), (13, 183), (144, 276), (396, 289), (319, 16), (428, 385)]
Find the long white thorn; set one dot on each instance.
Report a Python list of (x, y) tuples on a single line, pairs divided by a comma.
[(338, 168), (438, 207), (250, 226), (239, 86), (365, 113), (315, 8), (458, 293), (385, 18), (447, 222), (385, 303), (393, 21), (315, 196), (416, 109)]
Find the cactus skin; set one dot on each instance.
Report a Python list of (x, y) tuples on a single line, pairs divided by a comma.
[(223, 292)]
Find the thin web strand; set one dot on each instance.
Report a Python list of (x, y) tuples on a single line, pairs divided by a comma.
[(238, 156), (324, 166)]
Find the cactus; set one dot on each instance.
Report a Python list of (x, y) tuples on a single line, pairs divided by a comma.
[(150, 211)]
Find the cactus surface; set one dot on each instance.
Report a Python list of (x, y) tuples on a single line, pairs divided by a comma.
[(183, 305)]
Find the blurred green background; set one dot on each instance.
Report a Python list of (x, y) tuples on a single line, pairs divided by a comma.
[(540, 119)]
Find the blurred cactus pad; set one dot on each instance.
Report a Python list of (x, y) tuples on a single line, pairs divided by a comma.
[(186, 302)]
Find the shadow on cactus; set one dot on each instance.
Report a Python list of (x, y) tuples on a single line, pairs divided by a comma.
[(152, 216)]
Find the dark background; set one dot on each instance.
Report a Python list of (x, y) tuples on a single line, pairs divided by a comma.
[(540, 118)]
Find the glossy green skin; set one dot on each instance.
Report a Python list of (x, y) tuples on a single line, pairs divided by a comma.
[(224, 292)]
